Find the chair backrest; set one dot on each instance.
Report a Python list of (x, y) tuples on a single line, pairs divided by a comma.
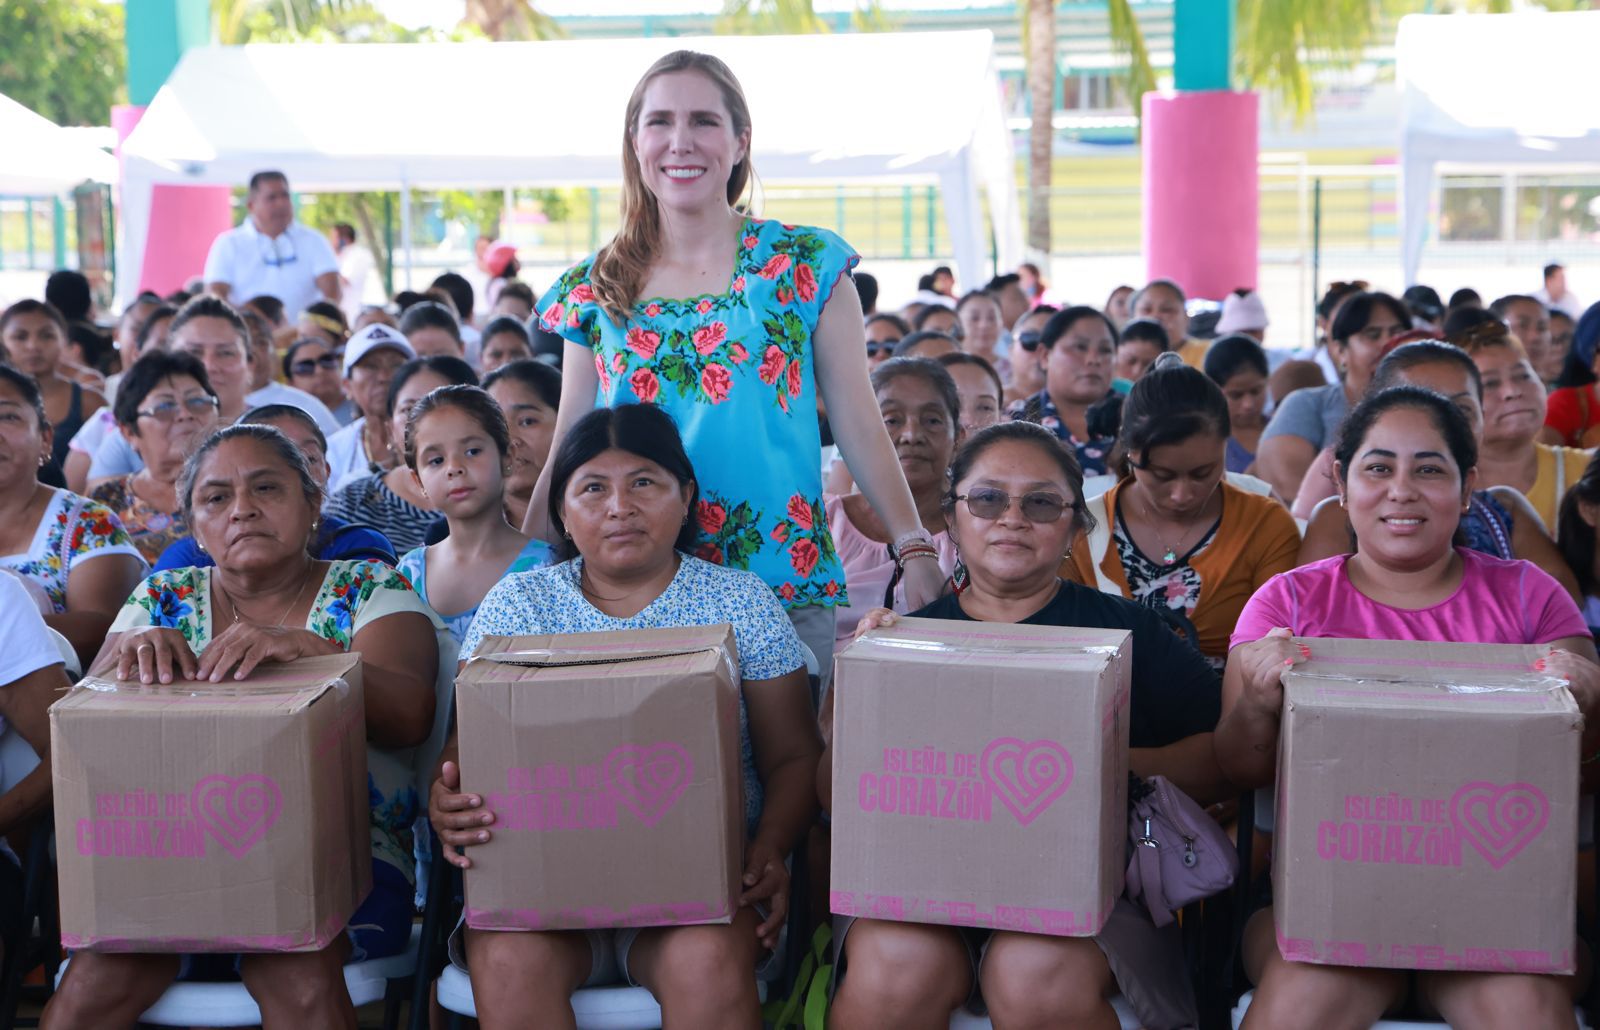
[(69, 655)]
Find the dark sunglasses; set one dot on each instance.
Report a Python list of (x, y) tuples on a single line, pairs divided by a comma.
[(307, 366), (1029, 340), (880, 347), (988, 503)]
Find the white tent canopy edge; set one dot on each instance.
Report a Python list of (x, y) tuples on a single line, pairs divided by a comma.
[(903, 108), (1473, 100), (39, 158)]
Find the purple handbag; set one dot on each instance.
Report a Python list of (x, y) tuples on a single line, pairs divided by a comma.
[(1180, 854)]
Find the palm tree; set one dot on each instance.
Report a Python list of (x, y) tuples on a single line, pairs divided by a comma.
[(791, 17), (503, 20), (1039, 31)]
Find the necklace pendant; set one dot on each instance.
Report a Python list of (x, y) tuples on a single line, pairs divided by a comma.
[(1170, 557)]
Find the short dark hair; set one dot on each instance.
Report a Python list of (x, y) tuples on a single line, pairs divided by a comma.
[(1147, 330), (1465, 297), (507, 324), (978, 443), (1356, 312), (472, 400), (208, 305), (260, 179), (976, 361), (429, 314), (893, 319), (407, 299), (29, 388), (345, 231), (927, 313), (69, 292), (460, 292), (265, 412), (867, 289), (279, 444), (1065, 319), (1462, 321), (641, 429), (1424, 352), (452, 369), (270, 307), (1233, 354), (95, 346), (1169, 404), (1551, 269), (929, 371), (518, 289), (1446, 417), (1001, 281), (910, 343), (149, 372), (541, 377)]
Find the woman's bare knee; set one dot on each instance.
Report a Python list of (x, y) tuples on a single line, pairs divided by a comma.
[(1470, 1001), (1298, 994), (901, 975), (1035, 981), (108, 991)]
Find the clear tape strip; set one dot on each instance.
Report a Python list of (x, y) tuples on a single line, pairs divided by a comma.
[(190, 688), (1529, 684), (1024, 650)]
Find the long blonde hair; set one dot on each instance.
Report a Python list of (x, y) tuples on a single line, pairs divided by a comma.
[(621, 267)]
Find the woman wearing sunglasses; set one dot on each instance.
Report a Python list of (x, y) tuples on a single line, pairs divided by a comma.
[(313, 364), (1013, 508), (1027, 364), (884, 330)]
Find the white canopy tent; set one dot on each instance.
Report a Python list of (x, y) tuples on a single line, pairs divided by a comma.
[(1492, 92), (39, 158), (904, 108)]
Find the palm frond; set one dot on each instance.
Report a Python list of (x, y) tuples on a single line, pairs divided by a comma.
[(1279, 41), (1127, 41)]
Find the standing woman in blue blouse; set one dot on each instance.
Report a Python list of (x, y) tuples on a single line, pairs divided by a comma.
[(733, 325)]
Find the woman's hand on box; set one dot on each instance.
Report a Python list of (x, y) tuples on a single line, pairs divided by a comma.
[(766, 880), (243, 646), (1264, 662), (154, 653), (1581, 674), (459, 819), (878, 618)]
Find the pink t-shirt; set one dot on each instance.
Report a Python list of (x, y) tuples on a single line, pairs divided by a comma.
[(868, 569), (1498, 602)]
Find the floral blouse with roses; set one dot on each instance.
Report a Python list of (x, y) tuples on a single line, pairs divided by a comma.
[(735, 372)]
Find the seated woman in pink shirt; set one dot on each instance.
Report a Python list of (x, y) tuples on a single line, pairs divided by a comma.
[(921, 408), (1406, 466)]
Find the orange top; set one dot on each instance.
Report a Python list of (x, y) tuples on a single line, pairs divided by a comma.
[(1256, 540)]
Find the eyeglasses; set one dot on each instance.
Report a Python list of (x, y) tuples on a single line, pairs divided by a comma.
[(166, 412), (874, 348), (273, 257), (306, 367), (1038, 507), (1029, 340)]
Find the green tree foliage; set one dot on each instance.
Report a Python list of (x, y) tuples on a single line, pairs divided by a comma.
[(793, 17), (63, 58)]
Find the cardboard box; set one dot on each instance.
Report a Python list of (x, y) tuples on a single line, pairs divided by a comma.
[(611, 762), (980, 775), (213, 817), (1427, 809)]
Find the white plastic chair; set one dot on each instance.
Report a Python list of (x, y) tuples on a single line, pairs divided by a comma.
[(596, 1008), (1383, 1024), (967, 1021)]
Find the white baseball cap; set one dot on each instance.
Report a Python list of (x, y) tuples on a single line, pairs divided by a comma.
[(372, 338)]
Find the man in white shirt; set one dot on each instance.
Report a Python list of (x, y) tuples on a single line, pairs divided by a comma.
[(270, 253), (1555, 293), (358, 271)]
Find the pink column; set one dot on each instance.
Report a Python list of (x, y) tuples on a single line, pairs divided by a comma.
[(183, 222), (1200, 189)]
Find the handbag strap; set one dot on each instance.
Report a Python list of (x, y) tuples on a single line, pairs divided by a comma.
[(1148, 856)]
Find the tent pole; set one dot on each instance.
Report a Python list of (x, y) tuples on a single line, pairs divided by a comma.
[(405, 224)]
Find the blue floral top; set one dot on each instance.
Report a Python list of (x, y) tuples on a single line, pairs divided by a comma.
[(1091, 453), (550, 600), (353, 594), (72, 530), (735, 370)]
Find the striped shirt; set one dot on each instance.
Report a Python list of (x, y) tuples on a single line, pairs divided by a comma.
[(369, 500)]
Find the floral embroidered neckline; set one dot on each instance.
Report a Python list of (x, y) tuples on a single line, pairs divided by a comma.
[(747, 243)]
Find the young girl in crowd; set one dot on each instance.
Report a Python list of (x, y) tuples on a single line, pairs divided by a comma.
[(1139, 344), (1406, 466), (72, 551), (432, 330), (1498, 520), (504, 340), (1238, 365), (1513, 410), (529, 393), (1308, 420), (1079, 344), (921, 409), (979, 314), (1014, 506), (35, 337), (624, 497), (392, 502), (458, 451), (678, 310), (1173, 535)]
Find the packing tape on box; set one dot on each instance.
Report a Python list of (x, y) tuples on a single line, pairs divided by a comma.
[(1529, 684), (1011, 647), (248, 687), (595, 654)]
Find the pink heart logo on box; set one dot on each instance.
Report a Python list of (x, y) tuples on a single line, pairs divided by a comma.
[(238, 809), (649, 779), (1026, 776), (1499, 820)]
